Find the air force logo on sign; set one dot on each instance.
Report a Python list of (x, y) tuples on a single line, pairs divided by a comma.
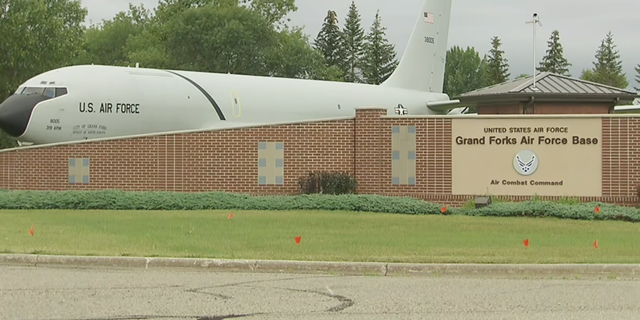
[(525, 162)]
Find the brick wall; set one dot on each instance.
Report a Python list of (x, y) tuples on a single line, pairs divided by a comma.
[(620, 156), (227, 160), (572, 108), (546, 108), (219, 160), (505, 108)]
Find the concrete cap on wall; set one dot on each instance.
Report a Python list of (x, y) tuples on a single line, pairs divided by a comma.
[(367, 112), (370, 109)]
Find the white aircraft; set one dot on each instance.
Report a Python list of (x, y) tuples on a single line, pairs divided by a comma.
[(634, 107), (92, 102)]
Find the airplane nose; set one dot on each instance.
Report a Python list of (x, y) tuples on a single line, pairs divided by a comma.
[(15, 112)]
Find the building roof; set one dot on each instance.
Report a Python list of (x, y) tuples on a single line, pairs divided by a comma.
[(549, 86)]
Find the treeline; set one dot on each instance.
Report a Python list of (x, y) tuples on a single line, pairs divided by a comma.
[(241, 37), (250, 37), (466, 71), (246, 37), (357, 57)]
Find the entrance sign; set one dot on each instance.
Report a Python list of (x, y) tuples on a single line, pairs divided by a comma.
[(546, 156)]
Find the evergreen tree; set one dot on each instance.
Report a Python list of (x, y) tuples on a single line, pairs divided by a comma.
[(379, 55), (329, 40), (484, 71), (353, 39), (607, 68), (554, 61), (498, 65), (637, 78)]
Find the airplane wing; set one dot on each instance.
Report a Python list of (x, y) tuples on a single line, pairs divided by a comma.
[(223, 125), (233, 125), (443, 106), (628, 109)]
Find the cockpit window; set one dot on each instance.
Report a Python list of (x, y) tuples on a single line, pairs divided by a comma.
[(61, 91), (31, 90), (50, 92)]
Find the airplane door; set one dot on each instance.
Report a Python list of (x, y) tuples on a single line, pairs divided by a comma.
[(236, 105)]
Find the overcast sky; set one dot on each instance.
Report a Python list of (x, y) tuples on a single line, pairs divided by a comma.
[(582, 25)]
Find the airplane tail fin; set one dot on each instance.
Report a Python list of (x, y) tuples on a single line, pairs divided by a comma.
[(422, 65)]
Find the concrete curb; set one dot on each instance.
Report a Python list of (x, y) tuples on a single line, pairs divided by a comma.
[(349, 268)]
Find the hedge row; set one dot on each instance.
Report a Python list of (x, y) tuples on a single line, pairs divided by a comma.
[(537, 208), (121, 200)]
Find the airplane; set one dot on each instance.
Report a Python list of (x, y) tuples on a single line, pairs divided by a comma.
[(87, 102), (634, 107)]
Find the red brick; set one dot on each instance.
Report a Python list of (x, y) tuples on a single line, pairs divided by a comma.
[(227, 160)]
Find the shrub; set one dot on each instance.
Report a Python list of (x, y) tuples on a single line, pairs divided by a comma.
[(562, 210), (333, 183), (123, 200)]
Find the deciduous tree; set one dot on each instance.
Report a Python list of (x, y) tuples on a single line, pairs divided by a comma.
[(106, 42), (463, 71), (37, 36), (275, 11), (224, 39), (294, 57), (237, 37)]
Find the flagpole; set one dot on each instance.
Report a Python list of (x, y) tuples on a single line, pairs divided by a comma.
[(534, 49), (534, 22)]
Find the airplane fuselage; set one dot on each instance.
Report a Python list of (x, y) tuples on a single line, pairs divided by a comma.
[(104, 101), (93, 102)]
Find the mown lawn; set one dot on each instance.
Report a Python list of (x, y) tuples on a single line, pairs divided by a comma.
[(326, 236)]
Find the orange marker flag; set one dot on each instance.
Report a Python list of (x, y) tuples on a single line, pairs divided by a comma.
[(297, 239), (595, 244), (31, 231), (526, 243), (597, 209), (230, 216)]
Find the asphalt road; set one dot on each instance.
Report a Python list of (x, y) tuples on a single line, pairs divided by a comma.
[(112, 294)]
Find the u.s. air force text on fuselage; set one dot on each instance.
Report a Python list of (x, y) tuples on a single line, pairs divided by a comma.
[(108, 107), (527, 140)]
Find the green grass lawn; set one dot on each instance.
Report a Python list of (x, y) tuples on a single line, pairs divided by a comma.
[(326, 236)]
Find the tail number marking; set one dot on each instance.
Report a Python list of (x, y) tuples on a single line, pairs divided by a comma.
[(429, 40)]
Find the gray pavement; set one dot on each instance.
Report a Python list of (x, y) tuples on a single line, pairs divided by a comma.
[(62, 292), (345, 268)]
